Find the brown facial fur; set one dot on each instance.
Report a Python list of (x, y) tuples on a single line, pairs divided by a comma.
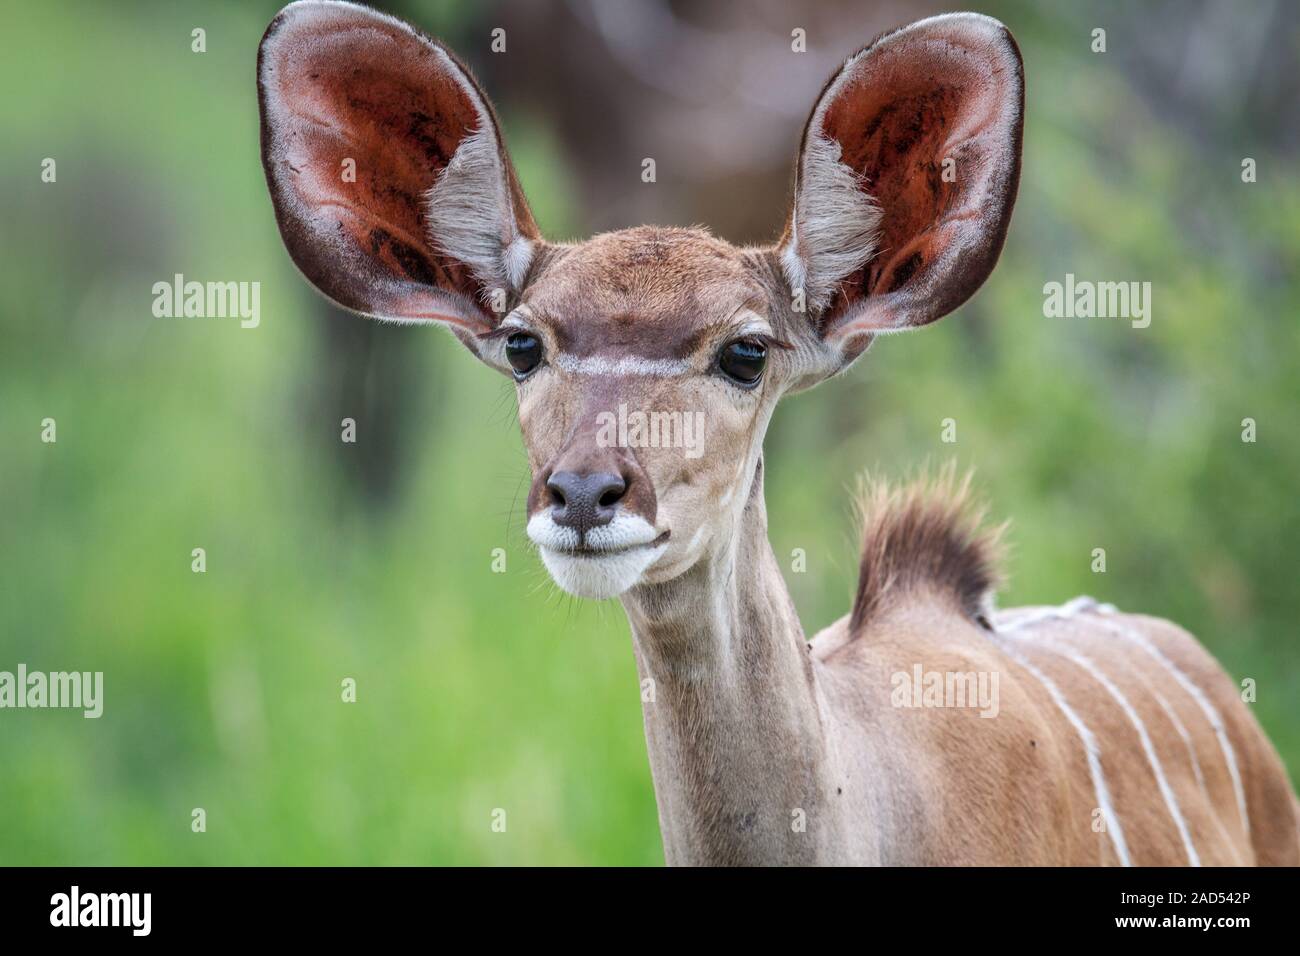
[(650, 291), (662, 295)]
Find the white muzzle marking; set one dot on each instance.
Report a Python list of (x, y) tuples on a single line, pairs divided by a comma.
[(614, 558)]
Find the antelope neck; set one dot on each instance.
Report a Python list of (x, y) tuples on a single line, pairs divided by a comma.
[(734, 719)]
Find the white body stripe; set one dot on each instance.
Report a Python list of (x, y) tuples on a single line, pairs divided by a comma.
[(1079, 604), (1182, 732), (1211, 714), (1196, 764), (1091, 750), (1068, 609), (1166, 791)]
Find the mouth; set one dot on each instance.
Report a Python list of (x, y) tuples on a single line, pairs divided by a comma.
[(588, 552), (604, 562)]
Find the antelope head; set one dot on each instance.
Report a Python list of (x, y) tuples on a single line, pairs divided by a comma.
[(647, 361)]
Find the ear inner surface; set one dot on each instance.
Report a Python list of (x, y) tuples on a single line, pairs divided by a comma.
[(362, 119), (928, 119)]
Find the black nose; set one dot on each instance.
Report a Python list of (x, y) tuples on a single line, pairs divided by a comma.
[(583, 502)]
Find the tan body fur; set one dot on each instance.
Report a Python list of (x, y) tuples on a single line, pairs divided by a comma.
[(752, 722)]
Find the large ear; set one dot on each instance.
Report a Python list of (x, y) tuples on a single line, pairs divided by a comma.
[(906, 177), (392, 189)]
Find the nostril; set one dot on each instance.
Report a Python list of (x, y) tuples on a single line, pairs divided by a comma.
[(563, 485), (612, 493), (557, 493)]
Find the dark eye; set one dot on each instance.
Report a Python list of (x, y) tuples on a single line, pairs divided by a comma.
[(523, 352), (744, 361)]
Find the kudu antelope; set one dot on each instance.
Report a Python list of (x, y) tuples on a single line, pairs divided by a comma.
[(1117, 739)]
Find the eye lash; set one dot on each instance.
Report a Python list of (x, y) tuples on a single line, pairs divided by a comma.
[(771, 341), (766, 339), (763, 338)]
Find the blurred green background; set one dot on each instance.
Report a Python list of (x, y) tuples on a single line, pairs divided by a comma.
[(478, 690)]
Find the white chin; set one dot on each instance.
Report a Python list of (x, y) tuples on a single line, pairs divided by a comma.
[(601, 577)]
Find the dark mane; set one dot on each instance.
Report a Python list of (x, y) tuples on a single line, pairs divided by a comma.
[(925, 535)]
